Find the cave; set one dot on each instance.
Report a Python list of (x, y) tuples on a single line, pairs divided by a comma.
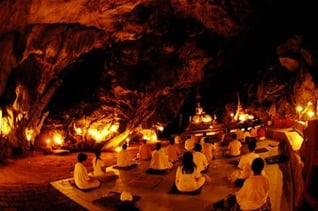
[(95, 74)]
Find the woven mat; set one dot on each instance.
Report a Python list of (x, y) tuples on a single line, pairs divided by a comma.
[(145, 181), (156, 171), (112, 201), (276, 159)]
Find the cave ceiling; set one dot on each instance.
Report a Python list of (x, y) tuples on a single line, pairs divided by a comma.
[(145, 61)]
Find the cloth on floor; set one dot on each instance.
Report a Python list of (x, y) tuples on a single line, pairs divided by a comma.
[(276, 159), (72, 182), (145, 181), (134, 165), (228, 203), (174, 190), (112, 201), (260, 150), (156, 171)]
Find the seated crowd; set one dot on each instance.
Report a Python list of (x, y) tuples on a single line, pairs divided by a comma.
[(191, 161)]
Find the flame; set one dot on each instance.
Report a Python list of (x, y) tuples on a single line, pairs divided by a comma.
[(58, 138), (29, 133), (78, 130)]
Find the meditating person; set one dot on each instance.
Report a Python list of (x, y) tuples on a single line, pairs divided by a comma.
[(189, 143), (124, 157), (199, 158), (261, 133), (188, 176), (99, 167), (173, 151), (244, 165), (254, 193), (82, 179), (234, 147), (208, 149), (144, 151), (159, 159)]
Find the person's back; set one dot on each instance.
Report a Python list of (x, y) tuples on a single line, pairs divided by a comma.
[(173, 151), (188, 176), (81, 177), (144, 151), (254, 193), (159, 159), (261, 133), (207, 148), (244, 164), (189, 143), (234, 147), (98, 164), (199, 158), (124, 158)]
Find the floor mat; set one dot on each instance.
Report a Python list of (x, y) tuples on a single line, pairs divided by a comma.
[(174, 190), (112, 201), (126, 168), (145, 181), (72, 182), (156, 171), (260, 150), (276, 159)]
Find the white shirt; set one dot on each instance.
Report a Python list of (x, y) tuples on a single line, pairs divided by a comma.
[(200, 160), (234, 148), (189, 182), (159, 160), (98, 167), (207, 149), (254, 193), (82, 179), (124, 158), (245, 164)]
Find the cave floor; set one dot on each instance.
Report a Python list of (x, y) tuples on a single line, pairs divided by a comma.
[(153, 189)]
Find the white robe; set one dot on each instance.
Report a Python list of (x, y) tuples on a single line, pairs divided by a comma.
[(99, 168), (200, 160), (81, 178), (159, 160), (189, 182), (253, 193), (124, 158)]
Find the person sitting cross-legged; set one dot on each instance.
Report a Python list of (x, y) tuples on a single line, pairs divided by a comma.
[(144, 152), (188, 176), (159, 159), (124, 157), (173, 151), (99, 167), (244, 171), (82, 180), (199, 158), (234, 147), (254, 193)]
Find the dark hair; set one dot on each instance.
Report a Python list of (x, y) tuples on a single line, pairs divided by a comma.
[(124, 146), (234, 136), (97, 155), (198, 147), (251, 145), (158, 146), (188, 164), (171, 140), (206, 140), (81, 157), (257, 165)]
